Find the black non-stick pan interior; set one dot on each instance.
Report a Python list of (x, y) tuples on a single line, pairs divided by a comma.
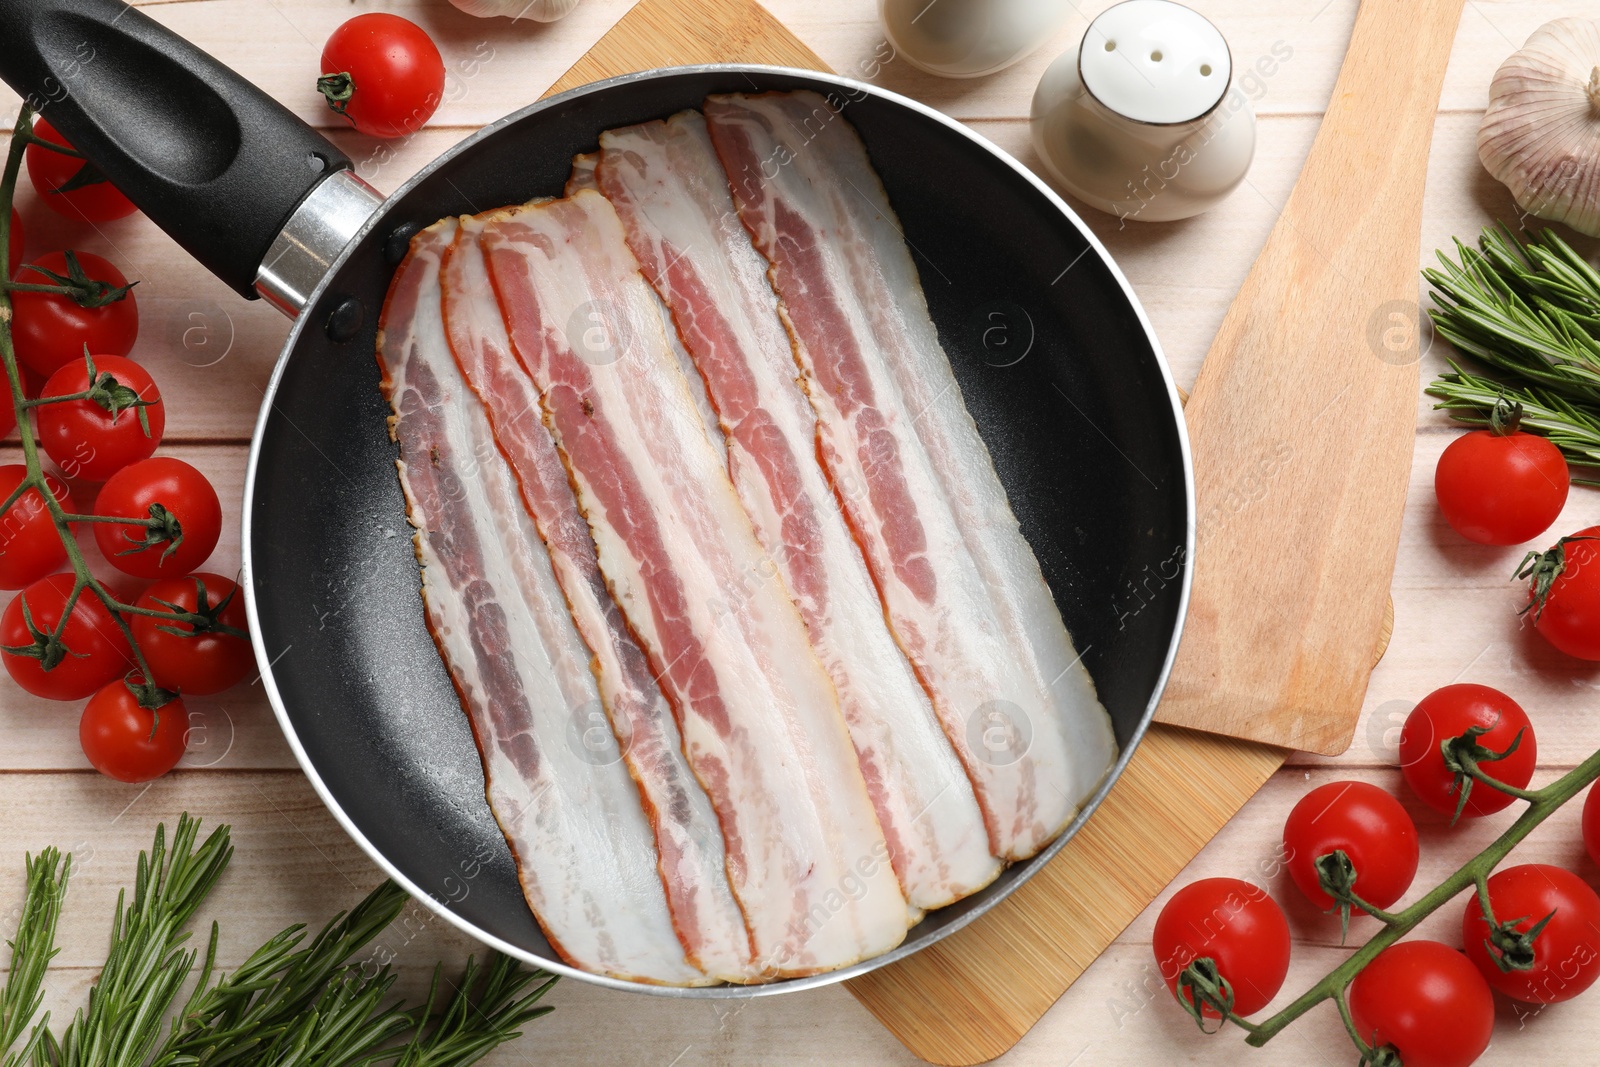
[(1052, 355)]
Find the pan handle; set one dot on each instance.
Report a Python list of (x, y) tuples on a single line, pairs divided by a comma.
[(210, 158)]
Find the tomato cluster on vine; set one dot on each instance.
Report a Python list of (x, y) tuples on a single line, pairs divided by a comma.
[(1530, 932), (98, 416)]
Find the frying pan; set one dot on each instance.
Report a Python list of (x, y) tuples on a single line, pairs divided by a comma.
[(1054, 356)]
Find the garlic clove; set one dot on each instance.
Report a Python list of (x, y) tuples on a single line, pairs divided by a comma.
[(538, 10), (1541, 133)]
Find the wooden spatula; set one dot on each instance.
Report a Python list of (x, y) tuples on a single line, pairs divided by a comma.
[(1302, 420)]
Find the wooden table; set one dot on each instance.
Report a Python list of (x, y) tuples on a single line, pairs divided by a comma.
[(212, 354)]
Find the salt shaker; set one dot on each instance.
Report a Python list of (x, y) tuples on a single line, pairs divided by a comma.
[(1138, 120), (968, 38)]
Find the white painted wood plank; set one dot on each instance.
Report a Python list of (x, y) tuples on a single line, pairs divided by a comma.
[(1454, 611)]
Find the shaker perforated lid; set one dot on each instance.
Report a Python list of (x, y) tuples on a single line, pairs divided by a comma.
[(1155, 61)]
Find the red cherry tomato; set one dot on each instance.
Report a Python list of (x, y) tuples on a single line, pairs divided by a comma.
[(30, 547), (97, 651), (1426, 1000), (50, 330), (382, 73), (1591, 823), (1566, 951), (1450, 712), (15, 242), (1564, 593), (128, 742), (71, 186), (1234, 923), (1499, 488), (158, 488), (93, 440), (196, 664), (1369, 825)]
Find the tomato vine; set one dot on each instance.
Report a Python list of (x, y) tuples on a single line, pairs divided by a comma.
[(48, 647), (1205, 984)]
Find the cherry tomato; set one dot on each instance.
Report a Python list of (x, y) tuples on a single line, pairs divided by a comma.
[(1426, 1000), (50, 330), (15, 242), (30, 547), (71, 186), (159, 488), (1564, 594), (382, 73), (96, 650), (93, 439), (204, 663), (1565, 952), (1501, 486), (128, 742), (1450, 712), (1369, 825), (1591, 823), (1234, 923)]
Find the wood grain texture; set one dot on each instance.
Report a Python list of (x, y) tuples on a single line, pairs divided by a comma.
[(1304, 410), (669, 33)]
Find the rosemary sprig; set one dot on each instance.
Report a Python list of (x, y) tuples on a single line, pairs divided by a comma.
[(285, 1006), (1528, 308), (276, 989), (32, 949), (146, 964), (1575, 429), (476, 1020)]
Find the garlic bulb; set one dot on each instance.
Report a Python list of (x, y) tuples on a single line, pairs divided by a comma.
[(538, 10), (1541, 134)]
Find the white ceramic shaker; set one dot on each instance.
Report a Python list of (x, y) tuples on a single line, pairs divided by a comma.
[(1138, 120), (968, 38)]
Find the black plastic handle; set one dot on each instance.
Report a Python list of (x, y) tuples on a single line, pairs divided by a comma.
[(210, 158)]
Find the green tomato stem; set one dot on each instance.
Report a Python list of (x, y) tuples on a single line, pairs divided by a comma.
[(33, 287), (1482, 777), (1388, 918), (1350, 1023), (43, 401), (16, 494), (28, 137), (149, 524)]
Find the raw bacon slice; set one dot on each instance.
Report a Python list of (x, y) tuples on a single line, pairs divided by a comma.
[(667, 186), (760, 722), (688, 837), (583, 177), (585, 852), (963, 590)]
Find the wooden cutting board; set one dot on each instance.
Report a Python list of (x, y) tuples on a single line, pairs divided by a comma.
[(973, 995)]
